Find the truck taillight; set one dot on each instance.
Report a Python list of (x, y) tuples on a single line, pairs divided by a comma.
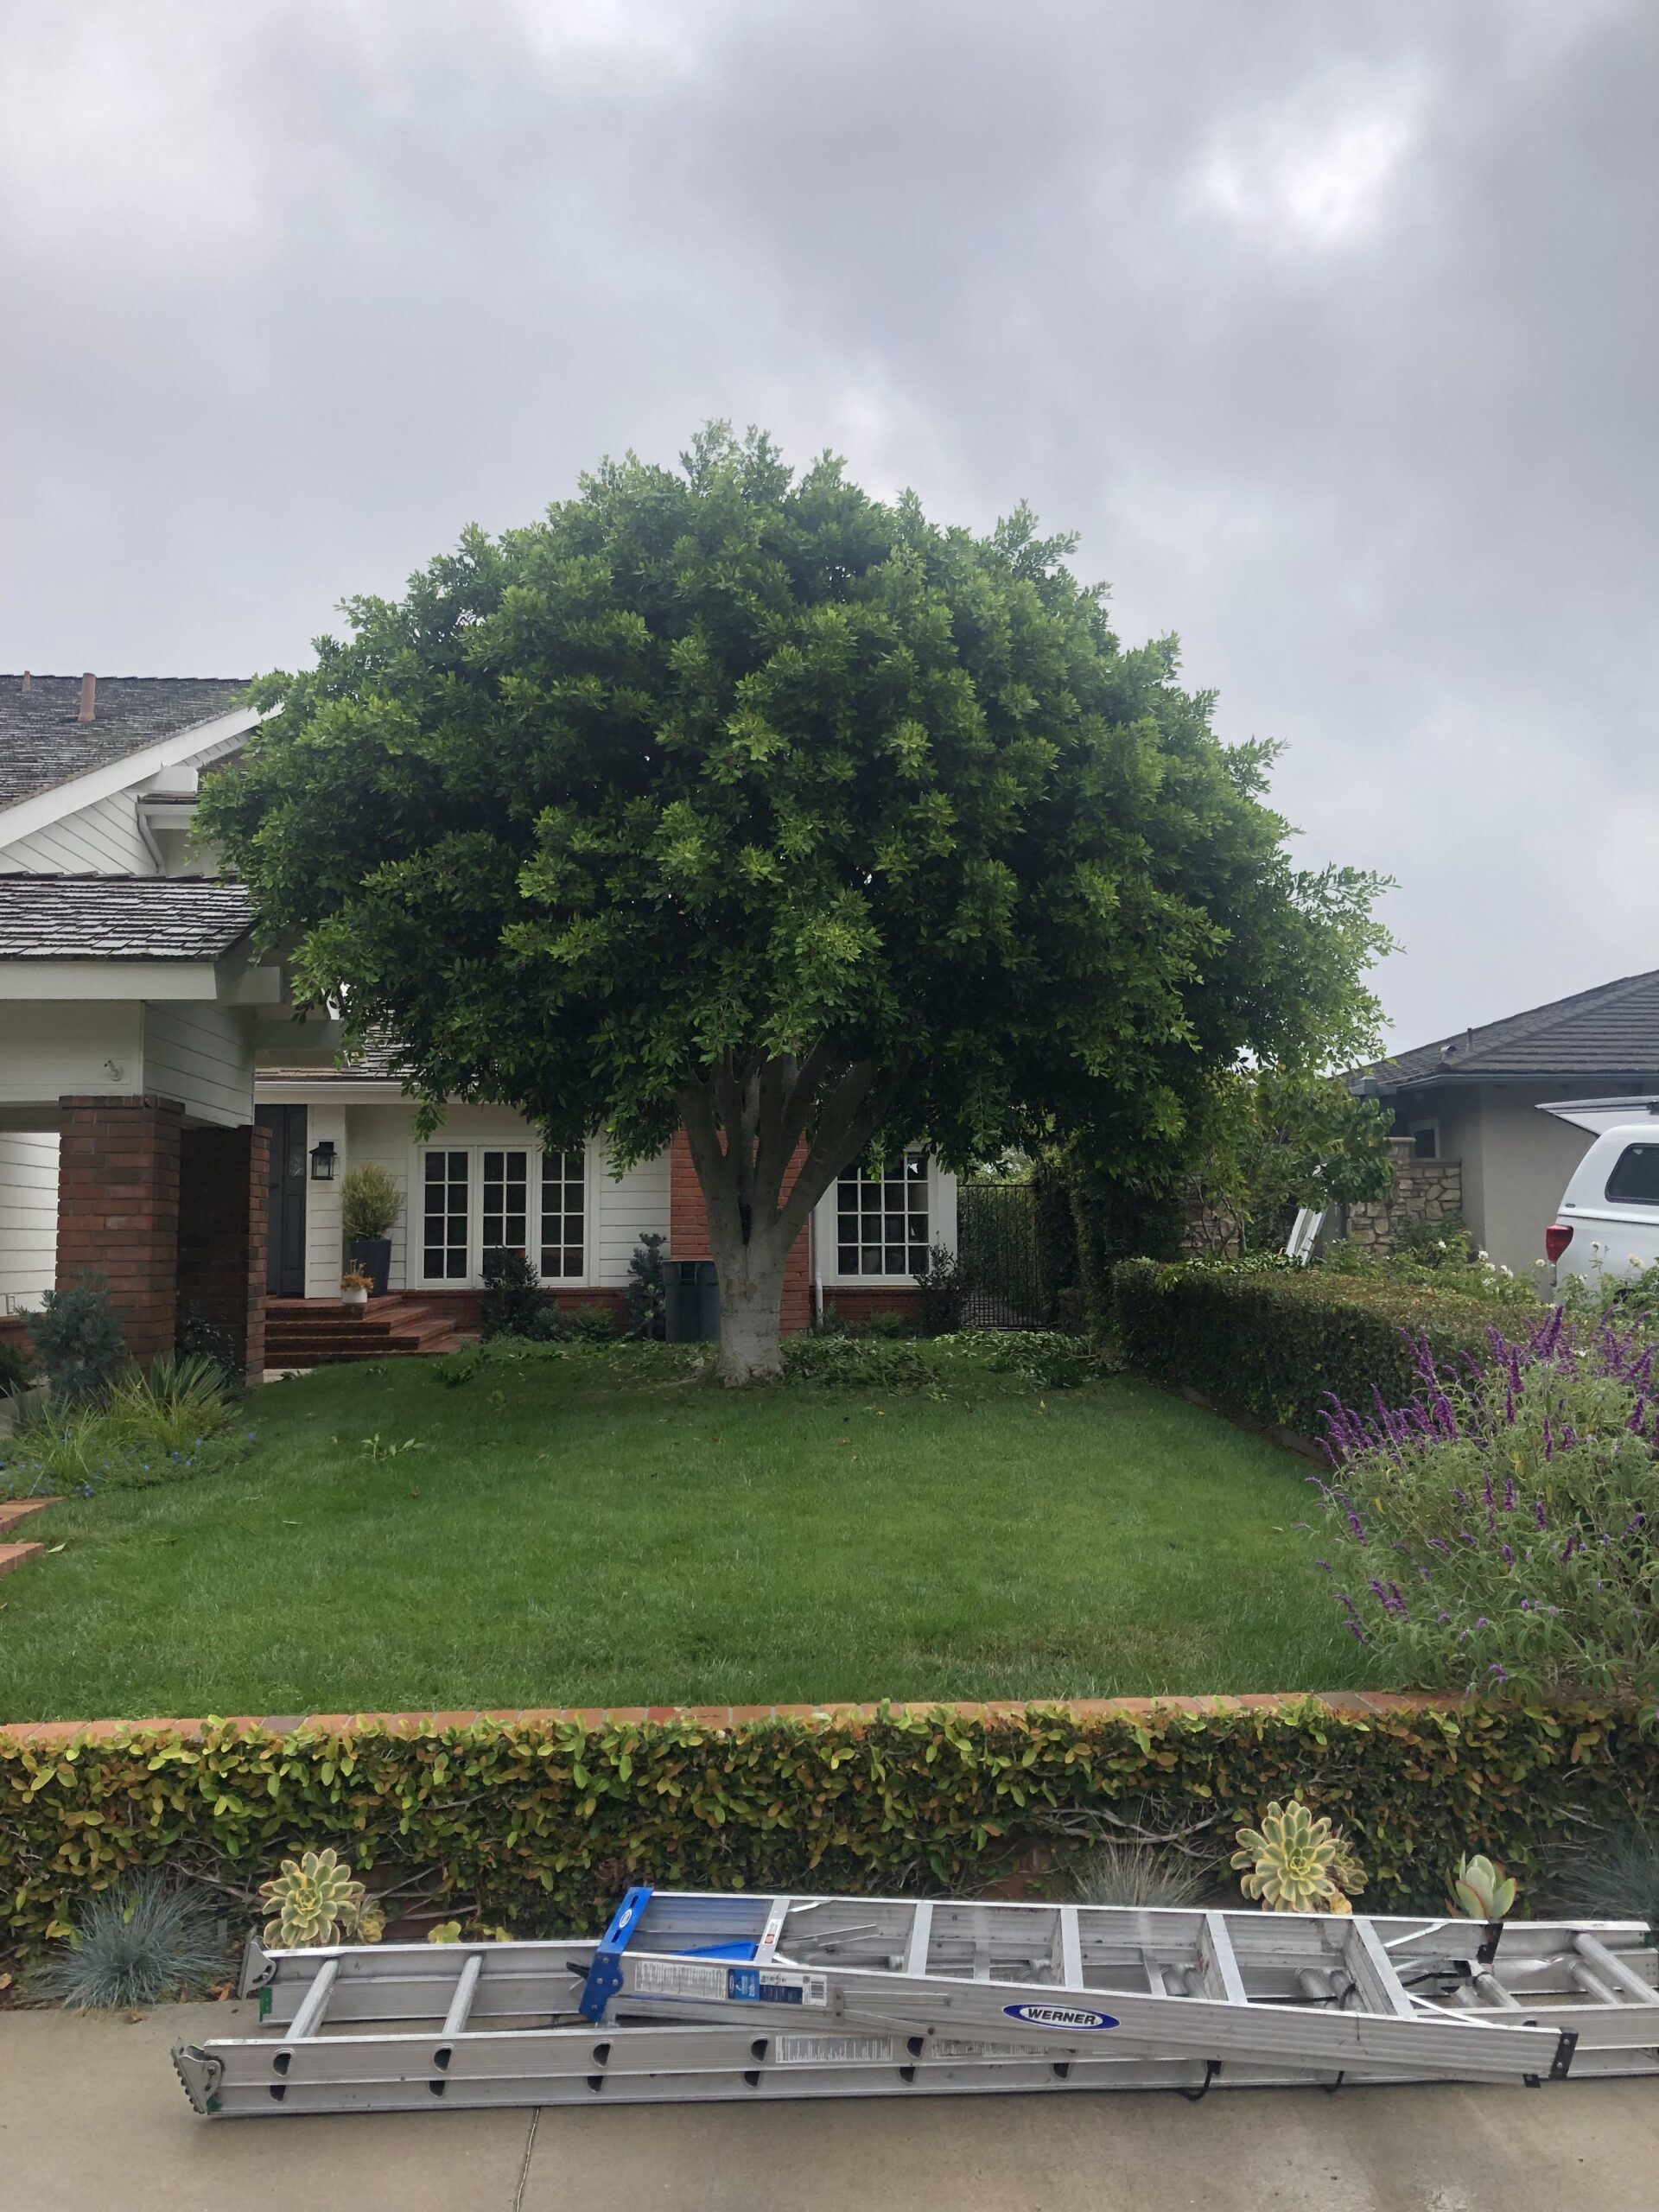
[(1557, 1238)]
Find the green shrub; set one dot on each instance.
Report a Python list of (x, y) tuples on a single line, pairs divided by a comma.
[(168, 1426), (369, 1203), (856, 1362), (595, 1324), (78, 1339), (1279, 1341), (944, 1285), (16, 1369), (544, 1822), (513, 1304), (646, 1291), (1499, 1525)]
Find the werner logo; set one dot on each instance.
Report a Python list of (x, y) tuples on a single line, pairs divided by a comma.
[(1058, 2016)]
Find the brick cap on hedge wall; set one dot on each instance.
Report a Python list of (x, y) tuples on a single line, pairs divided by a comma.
[(1344, 1704)]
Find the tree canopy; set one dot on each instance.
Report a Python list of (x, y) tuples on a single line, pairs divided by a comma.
[(744, 799)]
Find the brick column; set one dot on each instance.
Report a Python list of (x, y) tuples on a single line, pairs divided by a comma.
[(119, 1209), (688, 1233), (224, 1208)]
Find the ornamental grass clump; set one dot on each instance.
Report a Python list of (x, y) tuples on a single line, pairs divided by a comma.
[(1499, 1529), (136, 1943)]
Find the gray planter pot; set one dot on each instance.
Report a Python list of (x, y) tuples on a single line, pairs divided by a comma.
[(371, 1257)]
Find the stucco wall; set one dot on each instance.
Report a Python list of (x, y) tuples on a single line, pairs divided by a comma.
[(1516, 1161)]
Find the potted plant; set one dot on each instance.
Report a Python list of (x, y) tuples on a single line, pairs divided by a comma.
[(354, 1290), (369, 1203)]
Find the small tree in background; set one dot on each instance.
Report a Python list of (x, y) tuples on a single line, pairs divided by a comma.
[(646, 1293), (747, 804)]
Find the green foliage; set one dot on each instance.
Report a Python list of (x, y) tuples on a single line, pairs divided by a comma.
[(595, 1324), (1481, 1891), (545, 1822), (78, 1339), (168, 1426), (646, 1293), (1141, 1875), (729, 798), (513, 1305), (1279, 1139), (943, 1284), (16, 1369), (1294, 1863), (1112, 1222), (856, 1362), (200, 1331), (139, 1940), (1436, 1256), (1500, 1529), (369, 1203), (314, 1900), (1613, 1875), (1277, 1341)]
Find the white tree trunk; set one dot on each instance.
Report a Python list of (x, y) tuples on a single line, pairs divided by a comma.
[(751, 1302)]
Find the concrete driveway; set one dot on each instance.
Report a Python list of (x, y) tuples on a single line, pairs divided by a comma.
[(91, 2116)]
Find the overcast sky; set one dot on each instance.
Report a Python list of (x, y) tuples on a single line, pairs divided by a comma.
[(1331, 327)]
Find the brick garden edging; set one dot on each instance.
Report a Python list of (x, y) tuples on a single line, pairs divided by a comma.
[(1353, 1703)]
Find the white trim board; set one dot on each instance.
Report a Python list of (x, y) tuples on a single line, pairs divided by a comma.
[(42, 809)]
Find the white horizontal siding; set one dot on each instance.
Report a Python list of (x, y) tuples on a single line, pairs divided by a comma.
[(202, 1055), (29, 1218), (51, 1049), (385, 1134), (625, 1210), (324, 1245), (101, 839)]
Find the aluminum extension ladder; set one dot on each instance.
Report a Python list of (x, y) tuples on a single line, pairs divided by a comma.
[(690, 1995)]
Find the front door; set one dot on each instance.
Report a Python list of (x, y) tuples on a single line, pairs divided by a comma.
[(285, 1263)]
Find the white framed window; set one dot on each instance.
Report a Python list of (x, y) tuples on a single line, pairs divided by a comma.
[(883, 1218), (485, 1197), (446, 1214), (563, 1256)]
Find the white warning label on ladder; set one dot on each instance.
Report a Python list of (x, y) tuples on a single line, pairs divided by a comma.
[(677, 1978)]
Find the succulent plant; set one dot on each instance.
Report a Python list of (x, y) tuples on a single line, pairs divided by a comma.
[(1482, 1891), (1294, 1863), (317, 1899)]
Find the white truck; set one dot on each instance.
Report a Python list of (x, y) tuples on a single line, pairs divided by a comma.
[(1608, 1221)]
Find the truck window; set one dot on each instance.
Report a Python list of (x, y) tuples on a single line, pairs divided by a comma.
[(1635, 1178)]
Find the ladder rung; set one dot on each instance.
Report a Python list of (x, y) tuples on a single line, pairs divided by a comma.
[(1609, 1965), (1070, 1947), (921, 1930), (313, 2004), (1221, 1973), (455, 2020)]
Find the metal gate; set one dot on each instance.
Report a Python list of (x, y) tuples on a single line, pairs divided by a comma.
[(996, 1247)]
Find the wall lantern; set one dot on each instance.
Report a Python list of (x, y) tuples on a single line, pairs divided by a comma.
[(322, 1161)]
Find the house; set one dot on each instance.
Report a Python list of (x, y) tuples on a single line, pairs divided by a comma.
[(1471, 1101), (166, 1117)]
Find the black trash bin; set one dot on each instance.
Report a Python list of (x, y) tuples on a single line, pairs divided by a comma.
[(693, 1289)]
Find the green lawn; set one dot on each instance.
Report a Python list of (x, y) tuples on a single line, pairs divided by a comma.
[(575, 1532)]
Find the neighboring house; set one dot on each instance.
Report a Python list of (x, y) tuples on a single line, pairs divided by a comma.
[(1473, 1100), (165, 1118)]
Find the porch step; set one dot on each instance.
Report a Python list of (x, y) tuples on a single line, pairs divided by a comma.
[(316, 1333), (19, 1508)]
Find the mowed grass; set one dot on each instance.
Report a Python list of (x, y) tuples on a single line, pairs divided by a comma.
[(585, 1530)]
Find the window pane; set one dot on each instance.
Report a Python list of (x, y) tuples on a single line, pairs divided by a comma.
[(1635, 1178), (882, 1221), (563, 1205)]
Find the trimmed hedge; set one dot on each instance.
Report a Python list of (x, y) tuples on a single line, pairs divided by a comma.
[(1273, 1343), (545, 1822)]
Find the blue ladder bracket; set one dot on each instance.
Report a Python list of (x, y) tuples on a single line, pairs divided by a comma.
[(605, 1975)]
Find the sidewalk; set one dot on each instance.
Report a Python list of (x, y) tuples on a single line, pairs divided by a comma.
[(91, 2115)]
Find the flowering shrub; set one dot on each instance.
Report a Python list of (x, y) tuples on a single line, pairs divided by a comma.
[(1500, 1528)]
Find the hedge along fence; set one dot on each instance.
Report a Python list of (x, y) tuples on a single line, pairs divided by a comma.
[(546, 1820), (1274, 1343)]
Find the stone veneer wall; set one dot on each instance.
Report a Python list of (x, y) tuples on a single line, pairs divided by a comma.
[(1424, 1190)]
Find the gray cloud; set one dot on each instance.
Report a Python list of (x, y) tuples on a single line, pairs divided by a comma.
[(1332, 330)]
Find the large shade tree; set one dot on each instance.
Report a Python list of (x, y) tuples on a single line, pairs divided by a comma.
[(744, 802)]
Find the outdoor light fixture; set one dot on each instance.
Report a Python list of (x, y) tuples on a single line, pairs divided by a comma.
[(322, 1161)]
